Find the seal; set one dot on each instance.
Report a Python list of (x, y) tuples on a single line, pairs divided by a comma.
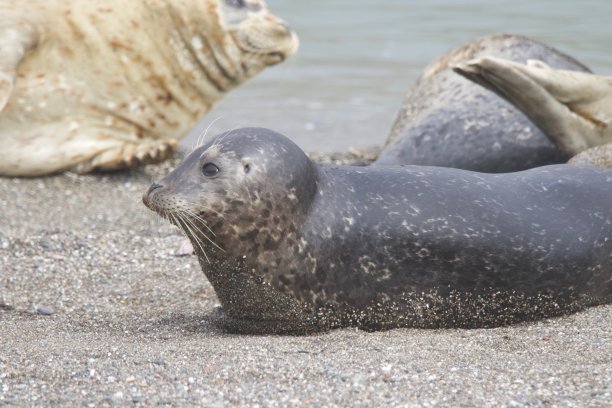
[(595, 156), (447, 120), (290, 246), (90, 86), (571, 108)]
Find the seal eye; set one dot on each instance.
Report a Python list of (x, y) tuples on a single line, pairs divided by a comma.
[(235, 3), (210, 170), (247, 168)]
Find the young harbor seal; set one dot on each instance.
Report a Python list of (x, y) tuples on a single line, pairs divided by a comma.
[(447, 120), (88, 85), (573, 109), (290, 246)]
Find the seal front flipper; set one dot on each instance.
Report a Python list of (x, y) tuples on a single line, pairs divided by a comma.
[(69, 146), (129, 154), (17, 37), (569, 107)]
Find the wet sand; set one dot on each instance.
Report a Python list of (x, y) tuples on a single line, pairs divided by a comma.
[(96, 309)]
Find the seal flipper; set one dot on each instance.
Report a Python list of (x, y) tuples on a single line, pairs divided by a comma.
[(569, 107), (600, 156), (125, 155), (17, 37), (57, 147)]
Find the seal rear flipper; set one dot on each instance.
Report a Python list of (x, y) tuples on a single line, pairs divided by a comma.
[(67, 146), (17, 37), (569, 107)]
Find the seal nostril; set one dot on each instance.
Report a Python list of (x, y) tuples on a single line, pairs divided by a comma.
[(153, 187)]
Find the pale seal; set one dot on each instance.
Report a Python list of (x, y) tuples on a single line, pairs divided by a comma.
[(88, 85), (573, 109), (291, 246), (595, 156), (446, 120)]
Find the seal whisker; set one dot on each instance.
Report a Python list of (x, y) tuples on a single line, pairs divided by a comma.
[(195, 205), (200, 140), (190, 222), (190, 233), (200, 219), (223, 136), (218, 140)]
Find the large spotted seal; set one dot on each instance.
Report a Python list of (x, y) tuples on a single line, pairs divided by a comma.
[(447, 120), (100, 85), (573, 109), (292, 246)]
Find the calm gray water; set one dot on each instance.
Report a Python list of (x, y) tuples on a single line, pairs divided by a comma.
[(357, 58)]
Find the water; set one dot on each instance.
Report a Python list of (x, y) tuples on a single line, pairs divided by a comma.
[(358, 58)]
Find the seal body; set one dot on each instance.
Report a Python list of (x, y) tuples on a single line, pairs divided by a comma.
[(292, 246), (105, 85), (446, 120)]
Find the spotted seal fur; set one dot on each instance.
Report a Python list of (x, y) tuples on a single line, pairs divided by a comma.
[(292, 246), (101, 85), (447, 120)]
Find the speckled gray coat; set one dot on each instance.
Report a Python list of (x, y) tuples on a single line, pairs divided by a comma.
[(446, 120), (319, 246)]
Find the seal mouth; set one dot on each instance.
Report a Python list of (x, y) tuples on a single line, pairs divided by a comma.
[(179, 213), (149, 202), (273, 45)]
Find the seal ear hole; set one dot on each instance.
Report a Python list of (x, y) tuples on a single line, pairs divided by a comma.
[(247, 168), (210, 170)]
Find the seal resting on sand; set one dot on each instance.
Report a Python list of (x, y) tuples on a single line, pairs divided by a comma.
[(573, 109), (291, 246), (103, 85), (447, 120)]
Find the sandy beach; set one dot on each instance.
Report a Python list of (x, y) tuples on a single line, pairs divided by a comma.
[(96, 310)]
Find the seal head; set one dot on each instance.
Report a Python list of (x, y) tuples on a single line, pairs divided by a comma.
[(239, 198)]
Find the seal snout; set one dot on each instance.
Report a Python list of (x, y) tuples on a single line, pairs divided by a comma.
[(153, 186), (146, 197)]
